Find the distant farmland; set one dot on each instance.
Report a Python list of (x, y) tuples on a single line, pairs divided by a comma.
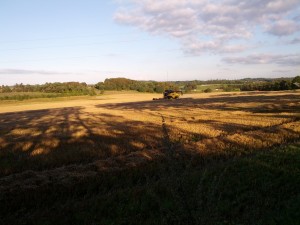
[(221, 158)]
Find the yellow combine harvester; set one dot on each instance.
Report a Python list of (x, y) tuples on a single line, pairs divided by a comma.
[(170, 94)]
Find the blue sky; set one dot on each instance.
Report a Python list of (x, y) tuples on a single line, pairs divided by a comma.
[(90, 40)]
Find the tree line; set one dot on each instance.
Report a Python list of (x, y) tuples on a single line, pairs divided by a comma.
[(248, 84), (64, 89), (119, 84), (273, 85)]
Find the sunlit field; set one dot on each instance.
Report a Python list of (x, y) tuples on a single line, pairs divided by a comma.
[(123, 158)]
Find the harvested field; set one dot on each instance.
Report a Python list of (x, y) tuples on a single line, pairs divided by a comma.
[(99, 129), (63, 144)]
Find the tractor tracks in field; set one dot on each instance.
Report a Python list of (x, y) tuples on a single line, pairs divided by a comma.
[(251, 132), (166, 137), (224, 135), (69, 175), (173, 150)]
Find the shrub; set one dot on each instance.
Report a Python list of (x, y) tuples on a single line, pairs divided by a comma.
[(208, 90)]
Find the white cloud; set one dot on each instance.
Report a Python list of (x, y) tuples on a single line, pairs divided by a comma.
[(210, 25), (282, 71), (284, 60), (283, 28), (295, 41), (24, 71), (195, 47)]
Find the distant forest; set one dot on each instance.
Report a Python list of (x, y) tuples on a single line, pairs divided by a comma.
[(71, 88), (248, 84), (76, 88)]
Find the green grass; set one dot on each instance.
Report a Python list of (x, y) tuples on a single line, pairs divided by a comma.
[(262, 188), (21, 96), (214, 87)]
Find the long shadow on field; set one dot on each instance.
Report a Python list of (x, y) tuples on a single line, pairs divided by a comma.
[(238, 133), (202, 187), (258, 103), (56, 137), (51, 138)]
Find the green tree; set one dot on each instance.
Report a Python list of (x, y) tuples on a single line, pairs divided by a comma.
[(208, 90), (285, 85), (296, 82), (159, 89), (100, 86), (190, 86), (5, 89)]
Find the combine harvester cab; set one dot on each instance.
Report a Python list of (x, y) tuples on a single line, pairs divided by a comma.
[(170, 94)]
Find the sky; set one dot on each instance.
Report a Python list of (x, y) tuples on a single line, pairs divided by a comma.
[(91, 40)]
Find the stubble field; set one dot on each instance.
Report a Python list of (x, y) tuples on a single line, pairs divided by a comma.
[(159, 162)]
